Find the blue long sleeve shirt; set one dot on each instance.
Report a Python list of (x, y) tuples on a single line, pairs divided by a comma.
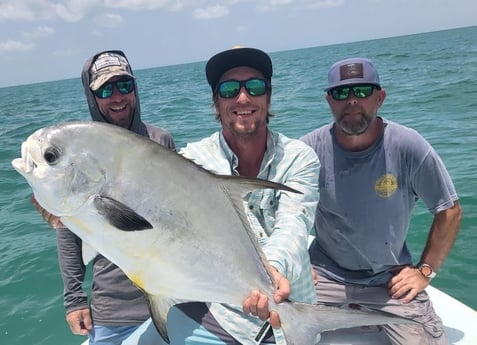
[(281, 220)]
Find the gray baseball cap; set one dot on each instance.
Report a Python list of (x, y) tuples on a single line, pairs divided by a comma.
[(352, 71)]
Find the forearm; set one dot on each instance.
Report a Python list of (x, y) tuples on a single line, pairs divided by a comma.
[(442, 236), (72, 269), (294, 220)]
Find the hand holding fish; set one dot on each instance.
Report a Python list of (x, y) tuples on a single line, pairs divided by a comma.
[(257, 303), (51, 219), (80, 321)]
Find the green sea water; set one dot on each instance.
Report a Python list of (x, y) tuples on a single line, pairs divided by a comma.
[(431, 86)]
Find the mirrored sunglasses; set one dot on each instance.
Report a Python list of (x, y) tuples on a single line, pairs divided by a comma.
[(341, 93), (231, 88), (124, 87)]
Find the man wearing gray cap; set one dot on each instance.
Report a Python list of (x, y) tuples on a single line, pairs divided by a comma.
[(117, 307), (373, 171)]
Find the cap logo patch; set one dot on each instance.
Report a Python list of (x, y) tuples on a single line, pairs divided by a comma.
[(106, 61), (350, 71)]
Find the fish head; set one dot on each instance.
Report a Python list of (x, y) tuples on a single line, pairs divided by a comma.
[(62, 177)]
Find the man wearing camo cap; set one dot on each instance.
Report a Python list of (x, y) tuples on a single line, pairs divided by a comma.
[(116, 307)]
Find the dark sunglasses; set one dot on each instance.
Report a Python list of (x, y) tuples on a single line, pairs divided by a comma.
[(341, 93), (124, 87), (231, 88)]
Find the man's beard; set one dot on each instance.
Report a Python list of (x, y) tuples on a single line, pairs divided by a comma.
[(354, 128), (244, 133)]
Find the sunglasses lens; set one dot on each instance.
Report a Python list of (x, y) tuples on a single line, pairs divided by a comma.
[(123, 86), (340, 93), (360, 91), (256, 87), (229, 89), (104, 91)]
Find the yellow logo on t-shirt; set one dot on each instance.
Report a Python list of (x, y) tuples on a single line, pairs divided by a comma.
[(386, 185)]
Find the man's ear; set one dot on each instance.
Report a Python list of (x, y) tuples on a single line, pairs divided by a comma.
[(381, 97)]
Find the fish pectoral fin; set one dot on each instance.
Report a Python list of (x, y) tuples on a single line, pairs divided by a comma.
[(88, 252), (159, 308), (119, 215)]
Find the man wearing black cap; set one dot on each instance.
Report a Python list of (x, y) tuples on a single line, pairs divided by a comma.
[(240, 79), (117, 307), (372, 173)]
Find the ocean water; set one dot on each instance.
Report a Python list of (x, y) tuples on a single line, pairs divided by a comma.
[(431, 86)]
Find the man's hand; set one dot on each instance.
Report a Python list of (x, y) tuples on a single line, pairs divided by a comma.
[(80, 321), (408, 283), (257, 303), (51, 219)]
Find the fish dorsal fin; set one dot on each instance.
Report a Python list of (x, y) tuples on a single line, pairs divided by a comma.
[(236, 187), (159, 308), (119, 215), (88, 252)]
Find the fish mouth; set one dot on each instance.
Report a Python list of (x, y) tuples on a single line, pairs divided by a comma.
[(25, 164)]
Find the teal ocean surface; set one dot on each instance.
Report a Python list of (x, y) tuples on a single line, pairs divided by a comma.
[(431, 86)]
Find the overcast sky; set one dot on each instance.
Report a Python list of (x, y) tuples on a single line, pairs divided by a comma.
[(42, 40)]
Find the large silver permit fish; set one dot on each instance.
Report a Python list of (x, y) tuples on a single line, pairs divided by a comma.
[(179, 232)]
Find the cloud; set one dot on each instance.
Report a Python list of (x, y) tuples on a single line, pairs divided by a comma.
[(108, 20), (74, 10), (25, 10), (139, 5), (269, 5), (325, 3), (280, 2), (210, 12), (41, 31), (15, 46), (33, 10)]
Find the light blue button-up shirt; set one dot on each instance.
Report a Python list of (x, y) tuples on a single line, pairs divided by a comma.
[(281, 220)]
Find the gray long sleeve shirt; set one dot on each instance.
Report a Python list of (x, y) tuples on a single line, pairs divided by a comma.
[(114, 298)]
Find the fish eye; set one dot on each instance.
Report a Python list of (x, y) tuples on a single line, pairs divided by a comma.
[(51, 155)]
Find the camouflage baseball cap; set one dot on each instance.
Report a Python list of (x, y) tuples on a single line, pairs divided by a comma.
[(107, 66)]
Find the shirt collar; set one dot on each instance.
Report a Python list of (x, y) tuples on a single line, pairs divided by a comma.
[(266, 161)]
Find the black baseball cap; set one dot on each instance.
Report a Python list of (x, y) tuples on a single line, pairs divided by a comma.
[(236, 57)]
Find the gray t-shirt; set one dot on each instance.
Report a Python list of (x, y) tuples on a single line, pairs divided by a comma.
[(367, 199)]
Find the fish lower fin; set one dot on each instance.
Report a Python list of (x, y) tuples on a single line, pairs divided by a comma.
[(159, 308), (88, 252), (119, 215), (302, 323)]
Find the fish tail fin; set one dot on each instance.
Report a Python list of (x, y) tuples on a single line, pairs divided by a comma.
[(303, 323), (298, 324)]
